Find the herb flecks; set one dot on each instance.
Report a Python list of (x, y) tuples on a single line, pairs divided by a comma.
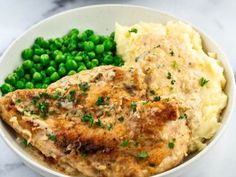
[(121, 119), (183, 116), (203, 81), (175, 64), (84, 87), (142, 155), (171, 144), (43, 108), (26, 143), (173, 82), (18, 100), (88, 118), (99, 123), (169, 76), (71, 95), (52, 137), (109, 126), (100, 101), (124, 143), (157, 98), (134, 106), (171, 52), (133, 30)]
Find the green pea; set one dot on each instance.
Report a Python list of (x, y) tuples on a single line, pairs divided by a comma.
[(39, 51), (38, 85), (35, 46), (56, 52), (72, 46), (60, 58), (11, 79), (62, 65), (88, 46), (58, 42), (81, 46), (99, 48), (118, 61), (27, 54), (102, 39), (94, 38), (27, 77), (32, 71), (73, 31), (107, 45), (53, 64), (54, 77), (78, 58), (95, 62), (89, 65), (47, 80), (71, 73), (64, 49), (6, 88), (86, 58), (89, 32), (20, 84), (20, 71), (44, 86), (53, 47), (44, 59), (38, 66), (69, 57), (71, 65), (108, 59), (29, 85), (62, 71), (112, 35), (37, 76), (36, 58), (91, 55), (83, 36), (81, 68), (74, 53), (43, 74), (50, 70), (27, 64), (39, 41)]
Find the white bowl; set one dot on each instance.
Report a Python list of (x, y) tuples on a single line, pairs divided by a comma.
[(102, 18)]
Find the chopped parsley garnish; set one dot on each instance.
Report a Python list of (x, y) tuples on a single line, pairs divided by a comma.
[(121, 119), (18, 100), (100, 101), (88, 118), (71, 95), (124, 143), (26, 143), (52, 137), (133, 30), (45, 95), (56, 95), (171, 144), (203, 81), (172, 82), (183, 116), (43, 108), (134, 106), (175, 65), (109, 126), (58, 104), (145, 102), (142, 155), (35, 99), (168, 75), (84, 87), (108, 113), (152, 92), (157, 98), (99, 123), (172, 52)]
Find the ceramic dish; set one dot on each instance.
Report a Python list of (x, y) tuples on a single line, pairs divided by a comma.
[(102, 18)]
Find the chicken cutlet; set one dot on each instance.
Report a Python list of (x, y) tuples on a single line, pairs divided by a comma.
[(100, 123)]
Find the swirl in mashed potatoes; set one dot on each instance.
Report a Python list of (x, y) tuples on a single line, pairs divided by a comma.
[(178, 69)]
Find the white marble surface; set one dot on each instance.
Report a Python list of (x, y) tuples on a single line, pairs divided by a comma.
[(215, 17)]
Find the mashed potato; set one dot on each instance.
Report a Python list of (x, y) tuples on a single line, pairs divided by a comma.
[(180, 70)]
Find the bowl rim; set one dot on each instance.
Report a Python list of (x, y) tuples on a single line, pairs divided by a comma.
[(32, 163)]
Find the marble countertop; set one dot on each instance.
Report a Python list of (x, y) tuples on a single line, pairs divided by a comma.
[(215, 17)]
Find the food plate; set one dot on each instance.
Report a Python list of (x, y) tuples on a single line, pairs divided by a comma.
[(102, 19)]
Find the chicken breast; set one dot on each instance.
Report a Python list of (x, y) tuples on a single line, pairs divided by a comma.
[(100, 123)]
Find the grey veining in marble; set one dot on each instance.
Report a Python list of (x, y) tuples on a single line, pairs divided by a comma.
[(215, 17)]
